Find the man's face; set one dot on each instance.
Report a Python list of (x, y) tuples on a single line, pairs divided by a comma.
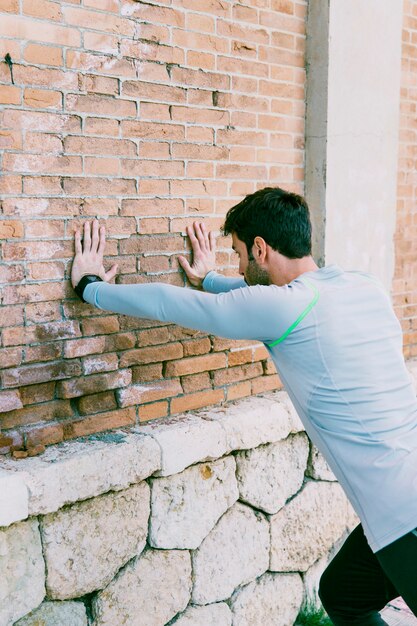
[(248, 267)]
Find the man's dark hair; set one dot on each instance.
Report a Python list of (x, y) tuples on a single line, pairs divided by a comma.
[(280, 217)]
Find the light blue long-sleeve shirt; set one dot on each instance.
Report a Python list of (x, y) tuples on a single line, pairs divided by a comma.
[(337, 347)]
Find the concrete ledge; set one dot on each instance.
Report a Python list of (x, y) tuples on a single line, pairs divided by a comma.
[(86, 467)]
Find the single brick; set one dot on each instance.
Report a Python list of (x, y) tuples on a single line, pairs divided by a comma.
[(197, 400), (234, 374), (44, 435), (92, 384), (196, 382), (266, 383), (99, 363), (10, 439), (42, 98), (81, 347), (10, 400), (151, 355), (10, 229), (153, 411), (100, 325), (97, 402), (10, 94), (195, 364), (37, 413), (98, 423), (34, 394), (34, 374), (139, 394), (42, 54)]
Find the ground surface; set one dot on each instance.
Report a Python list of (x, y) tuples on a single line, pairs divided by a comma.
[(398, 614)]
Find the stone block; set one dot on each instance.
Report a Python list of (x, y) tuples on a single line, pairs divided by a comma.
[(253, 421), (272, 599), (185, 440), (87, 543), (22, 571), (318, 467), (234, 553), (270, 474), (14, 498), (185, 507), (78, 470), (56, 614), (150, 590), (307, 527)]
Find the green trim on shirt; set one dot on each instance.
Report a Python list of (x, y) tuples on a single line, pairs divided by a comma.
[(300, 317)]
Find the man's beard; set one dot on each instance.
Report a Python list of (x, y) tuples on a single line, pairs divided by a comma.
[(255, 275)]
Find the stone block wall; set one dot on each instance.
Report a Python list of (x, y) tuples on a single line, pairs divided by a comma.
[(149, 115), (224, 517)]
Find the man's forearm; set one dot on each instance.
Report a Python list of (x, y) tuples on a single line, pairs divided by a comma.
[(217, 283)]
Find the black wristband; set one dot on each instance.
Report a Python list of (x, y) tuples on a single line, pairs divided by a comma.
[(85, 280)]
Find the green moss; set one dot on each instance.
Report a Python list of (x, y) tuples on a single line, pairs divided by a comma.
[(312, 616)]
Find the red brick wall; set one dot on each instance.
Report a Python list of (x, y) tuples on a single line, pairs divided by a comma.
[(405, 279), (147, 115)]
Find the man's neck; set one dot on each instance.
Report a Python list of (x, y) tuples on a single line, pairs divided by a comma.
[(291, 269)]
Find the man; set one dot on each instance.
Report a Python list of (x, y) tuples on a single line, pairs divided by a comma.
[(337, 347)]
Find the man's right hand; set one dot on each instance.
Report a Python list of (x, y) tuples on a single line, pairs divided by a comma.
[(204, 254)]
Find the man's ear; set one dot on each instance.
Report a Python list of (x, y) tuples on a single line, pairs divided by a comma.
[(259, 248)]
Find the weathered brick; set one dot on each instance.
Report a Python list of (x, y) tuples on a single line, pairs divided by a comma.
[(81, 347), (234, 374), (100, 325), (99, 363), (196, 346), (151, 355), (238, 390), (100, 104), (42, 163), (9, 357), (42, 54), (9, 440), (10, 140), (98, 423), (196, 400), (39, 436), (10, 94), (44, 352), (193, 365), (10, 400), (10, 6), (42, 312), (196, 382), (93, 384), (151, 411), (266, 383), (43, 9), (33, 293), (34, 374), (36, 412), (146, 373), (10, 229), (97, 402), (121, 341), (139, 394), (34, 394), (42, 98)]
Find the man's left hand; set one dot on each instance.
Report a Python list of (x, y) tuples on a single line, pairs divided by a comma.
[(89, 254)]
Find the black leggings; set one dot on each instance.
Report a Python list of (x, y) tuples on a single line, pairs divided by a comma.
[(358, 583)]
